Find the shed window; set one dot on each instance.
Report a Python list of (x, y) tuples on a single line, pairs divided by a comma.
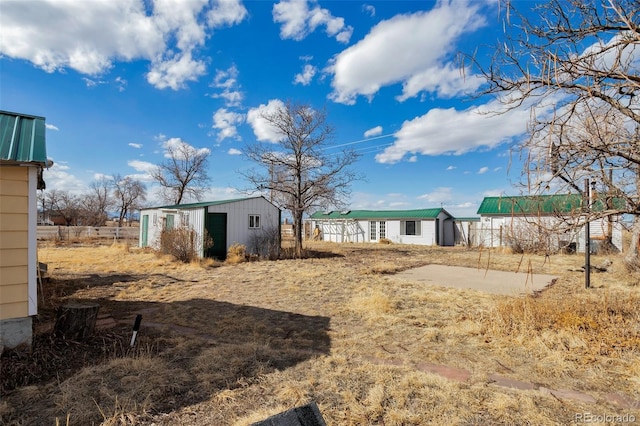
[(410, 227), (254, 221)]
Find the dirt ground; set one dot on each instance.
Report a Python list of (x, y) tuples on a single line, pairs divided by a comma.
[(231, 344)]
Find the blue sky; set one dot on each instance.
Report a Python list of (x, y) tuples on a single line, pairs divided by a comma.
[(119, 80)]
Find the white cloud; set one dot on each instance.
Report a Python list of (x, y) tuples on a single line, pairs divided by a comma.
[(175, 72), (402, 48), (227, 80), (51, 127), (135, 145), (369, 9), (90, 37), (413, 159), (141, 166), (447, 82), (178, 145), (451, 168), (493, 193), (226, 13), (225, 122), (483, 170), (442, 131), (439, 195), (374, 131), (233, 151), (58, 177), (263, 130), (41, 33), (299, 18), (102, 176), (121, 83), (305, 77)]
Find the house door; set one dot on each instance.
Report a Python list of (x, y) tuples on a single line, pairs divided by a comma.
[(168, 225), (145, 230), (216, 226)]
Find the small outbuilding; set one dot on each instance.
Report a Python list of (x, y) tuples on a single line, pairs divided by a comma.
[(536, 222), (23, 156), (252, 222), (432, 227)]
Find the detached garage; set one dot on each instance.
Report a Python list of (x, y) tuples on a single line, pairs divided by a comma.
[(432, 227), (246, 221), (23, 156)]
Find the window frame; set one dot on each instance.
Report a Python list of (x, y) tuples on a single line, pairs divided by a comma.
[(253, 218)]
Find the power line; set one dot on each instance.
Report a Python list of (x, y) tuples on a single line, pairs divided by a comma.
[(361, 141)]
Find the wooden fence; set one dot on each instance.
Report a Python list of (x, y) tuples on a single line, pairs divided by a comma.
[(68, 233)]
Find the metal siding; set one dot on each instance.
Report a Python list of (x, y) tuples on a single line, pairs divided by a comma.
[(238, 218)]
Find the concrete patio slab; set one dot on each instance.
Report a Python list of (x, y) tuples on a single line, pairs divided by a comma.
[(488, 281)]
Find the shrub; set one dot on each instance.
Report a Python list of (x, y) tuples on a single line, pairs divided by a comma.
[(265, 242), (236, 253), (384, 241), (181, 243)]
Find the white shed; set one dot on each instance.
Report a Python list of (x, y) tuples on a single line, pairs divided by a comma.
[(506, 219), (423, 226), (243, 221)]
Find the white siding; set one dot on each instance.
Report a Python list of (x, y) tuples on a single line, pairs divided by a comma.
[(238, 212), (494, 231), (351, 230)]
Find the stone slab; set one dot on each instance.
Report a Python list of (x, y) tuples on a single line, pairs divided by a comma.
[(506, 382), (306, 415), (488, 281)]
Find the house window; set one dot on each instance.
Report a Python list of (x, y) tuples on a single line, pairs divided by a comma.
[(373, 234), (383, 229), (185, 219), (254, 221), (410, 227), (155, 219)]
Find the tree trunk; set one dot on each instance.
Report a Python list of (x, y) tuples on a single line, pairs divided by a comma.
[(631, 258), (297, 227), (76, 321)]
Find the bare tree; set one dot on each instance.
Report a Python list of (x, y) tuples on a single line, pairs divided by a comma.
[(184, 173), (64, 204), (129, 193), (97, 202), (300, 172), (576, 65)]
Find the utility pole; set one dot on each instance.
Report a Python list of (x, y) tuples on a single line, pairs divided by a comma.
[(587, 235)]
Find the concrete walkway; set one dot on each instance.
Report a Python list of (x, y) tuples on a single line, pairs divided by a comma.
[(488, 281)]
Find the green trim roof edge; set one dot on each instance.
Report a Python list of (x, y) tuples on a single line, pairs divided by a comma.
[(202, 204), (380, 214)]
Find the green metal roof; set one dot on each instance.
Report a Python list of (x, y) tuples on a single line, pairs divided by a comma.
[(531, 205), (22, 138), (201, 204), (379, 214), (467, 219)]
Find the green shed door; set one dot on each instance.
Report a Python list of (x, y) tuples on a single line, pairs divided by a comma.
[(216, 226), (145, 230), (168, 225)]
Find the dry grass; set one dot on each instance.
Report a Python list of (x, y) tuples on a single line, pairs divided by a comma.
[(234, 344)]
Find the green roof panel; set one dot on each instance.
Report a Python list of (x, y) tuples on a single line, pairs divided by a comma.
[(543, 204), (22, 138)]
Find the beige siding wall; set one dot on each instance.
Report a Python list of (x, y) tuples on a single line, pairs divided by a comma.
[(14, 241)]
